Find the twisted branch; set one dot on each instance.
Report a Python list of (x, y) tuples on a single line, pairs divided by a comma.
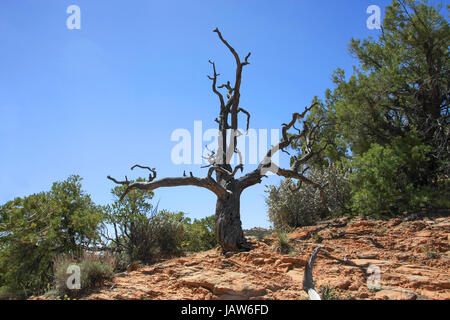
[(152, 171), (230, 107), (310, 135), (207, 183), (214, 82)]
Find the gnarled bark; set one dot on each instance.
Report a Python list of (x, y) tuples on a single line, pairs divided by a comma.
[(228, 231)]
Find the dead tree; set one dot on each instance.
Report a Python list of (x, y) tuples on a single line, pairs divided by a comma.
[(226, 186)]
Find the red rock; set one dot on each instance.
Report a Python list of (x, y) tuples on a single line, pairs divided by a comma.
[(344, 284), (424, 234), (395, 222), (300, 235), (354, 287), (363, 224), (285, 265), (294, 261), (277, 263), (259, 261), (266, 274)]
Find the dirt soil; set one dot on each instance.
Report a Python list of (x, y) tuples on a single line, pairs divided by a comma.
[(412, 258)]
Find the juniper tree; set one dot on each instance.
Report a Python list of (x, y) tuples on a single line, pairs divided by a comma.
[(226, 185)]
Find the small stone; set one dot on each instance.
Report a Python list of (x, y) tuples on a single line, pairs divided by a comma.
[(354, 287), (258, 261), (344, 284), (294, 261), (424, 234), (395, 222), (368, 256), (133, 266)]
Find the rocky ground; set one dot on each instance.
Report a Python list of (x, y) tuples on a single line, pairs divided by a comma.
[(412, 257)]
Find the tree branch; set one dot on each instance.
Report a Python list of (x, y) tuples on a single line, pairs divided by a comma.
[(207, 183), (214, 83), (234, 100), (248, 116), (308, 284), (152, 171), (266, 165)]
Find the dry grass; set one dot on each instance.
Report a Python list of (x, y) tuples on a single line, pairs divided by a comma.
[(94, 270)]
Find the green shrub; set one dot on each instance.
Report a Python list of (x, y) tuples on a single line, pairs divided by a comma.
[(328, 293), (282, 242), (317, 237), (6, 293), (36, 228), (141, 242), (169, 232), (94, 270), (140, 233), (293, 208), (200, 235), (392, 179)]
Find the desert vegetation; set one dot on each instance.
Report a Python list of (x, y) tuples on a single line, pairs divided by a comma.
[(385, 142), (43, 234), (375, 145)]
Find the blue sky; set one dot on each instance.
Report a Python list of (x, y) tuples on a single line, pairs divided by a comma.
[(98, 100)]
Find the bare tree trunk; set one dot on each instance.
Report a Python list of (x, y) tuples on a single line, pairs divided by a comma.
[(228, 231)]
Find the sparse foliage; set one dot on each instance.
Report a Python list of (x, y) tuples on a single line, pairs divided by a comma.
[(290, 206), (137, 232), (328, 293), (282, 242), (94, 270)]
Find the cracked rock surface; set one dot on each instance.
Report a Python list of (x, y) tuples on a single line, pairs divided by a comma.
[(412, 258)]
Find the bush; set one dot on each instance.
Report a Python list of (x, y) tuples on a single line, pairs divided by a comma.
[(293, 208), (200, 235), (170, 232), (147, 238), (36, 228), (282, 242), (7, 294), (94, 270), (392, 179), (328, 293), (140, 232), (140, 244)]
